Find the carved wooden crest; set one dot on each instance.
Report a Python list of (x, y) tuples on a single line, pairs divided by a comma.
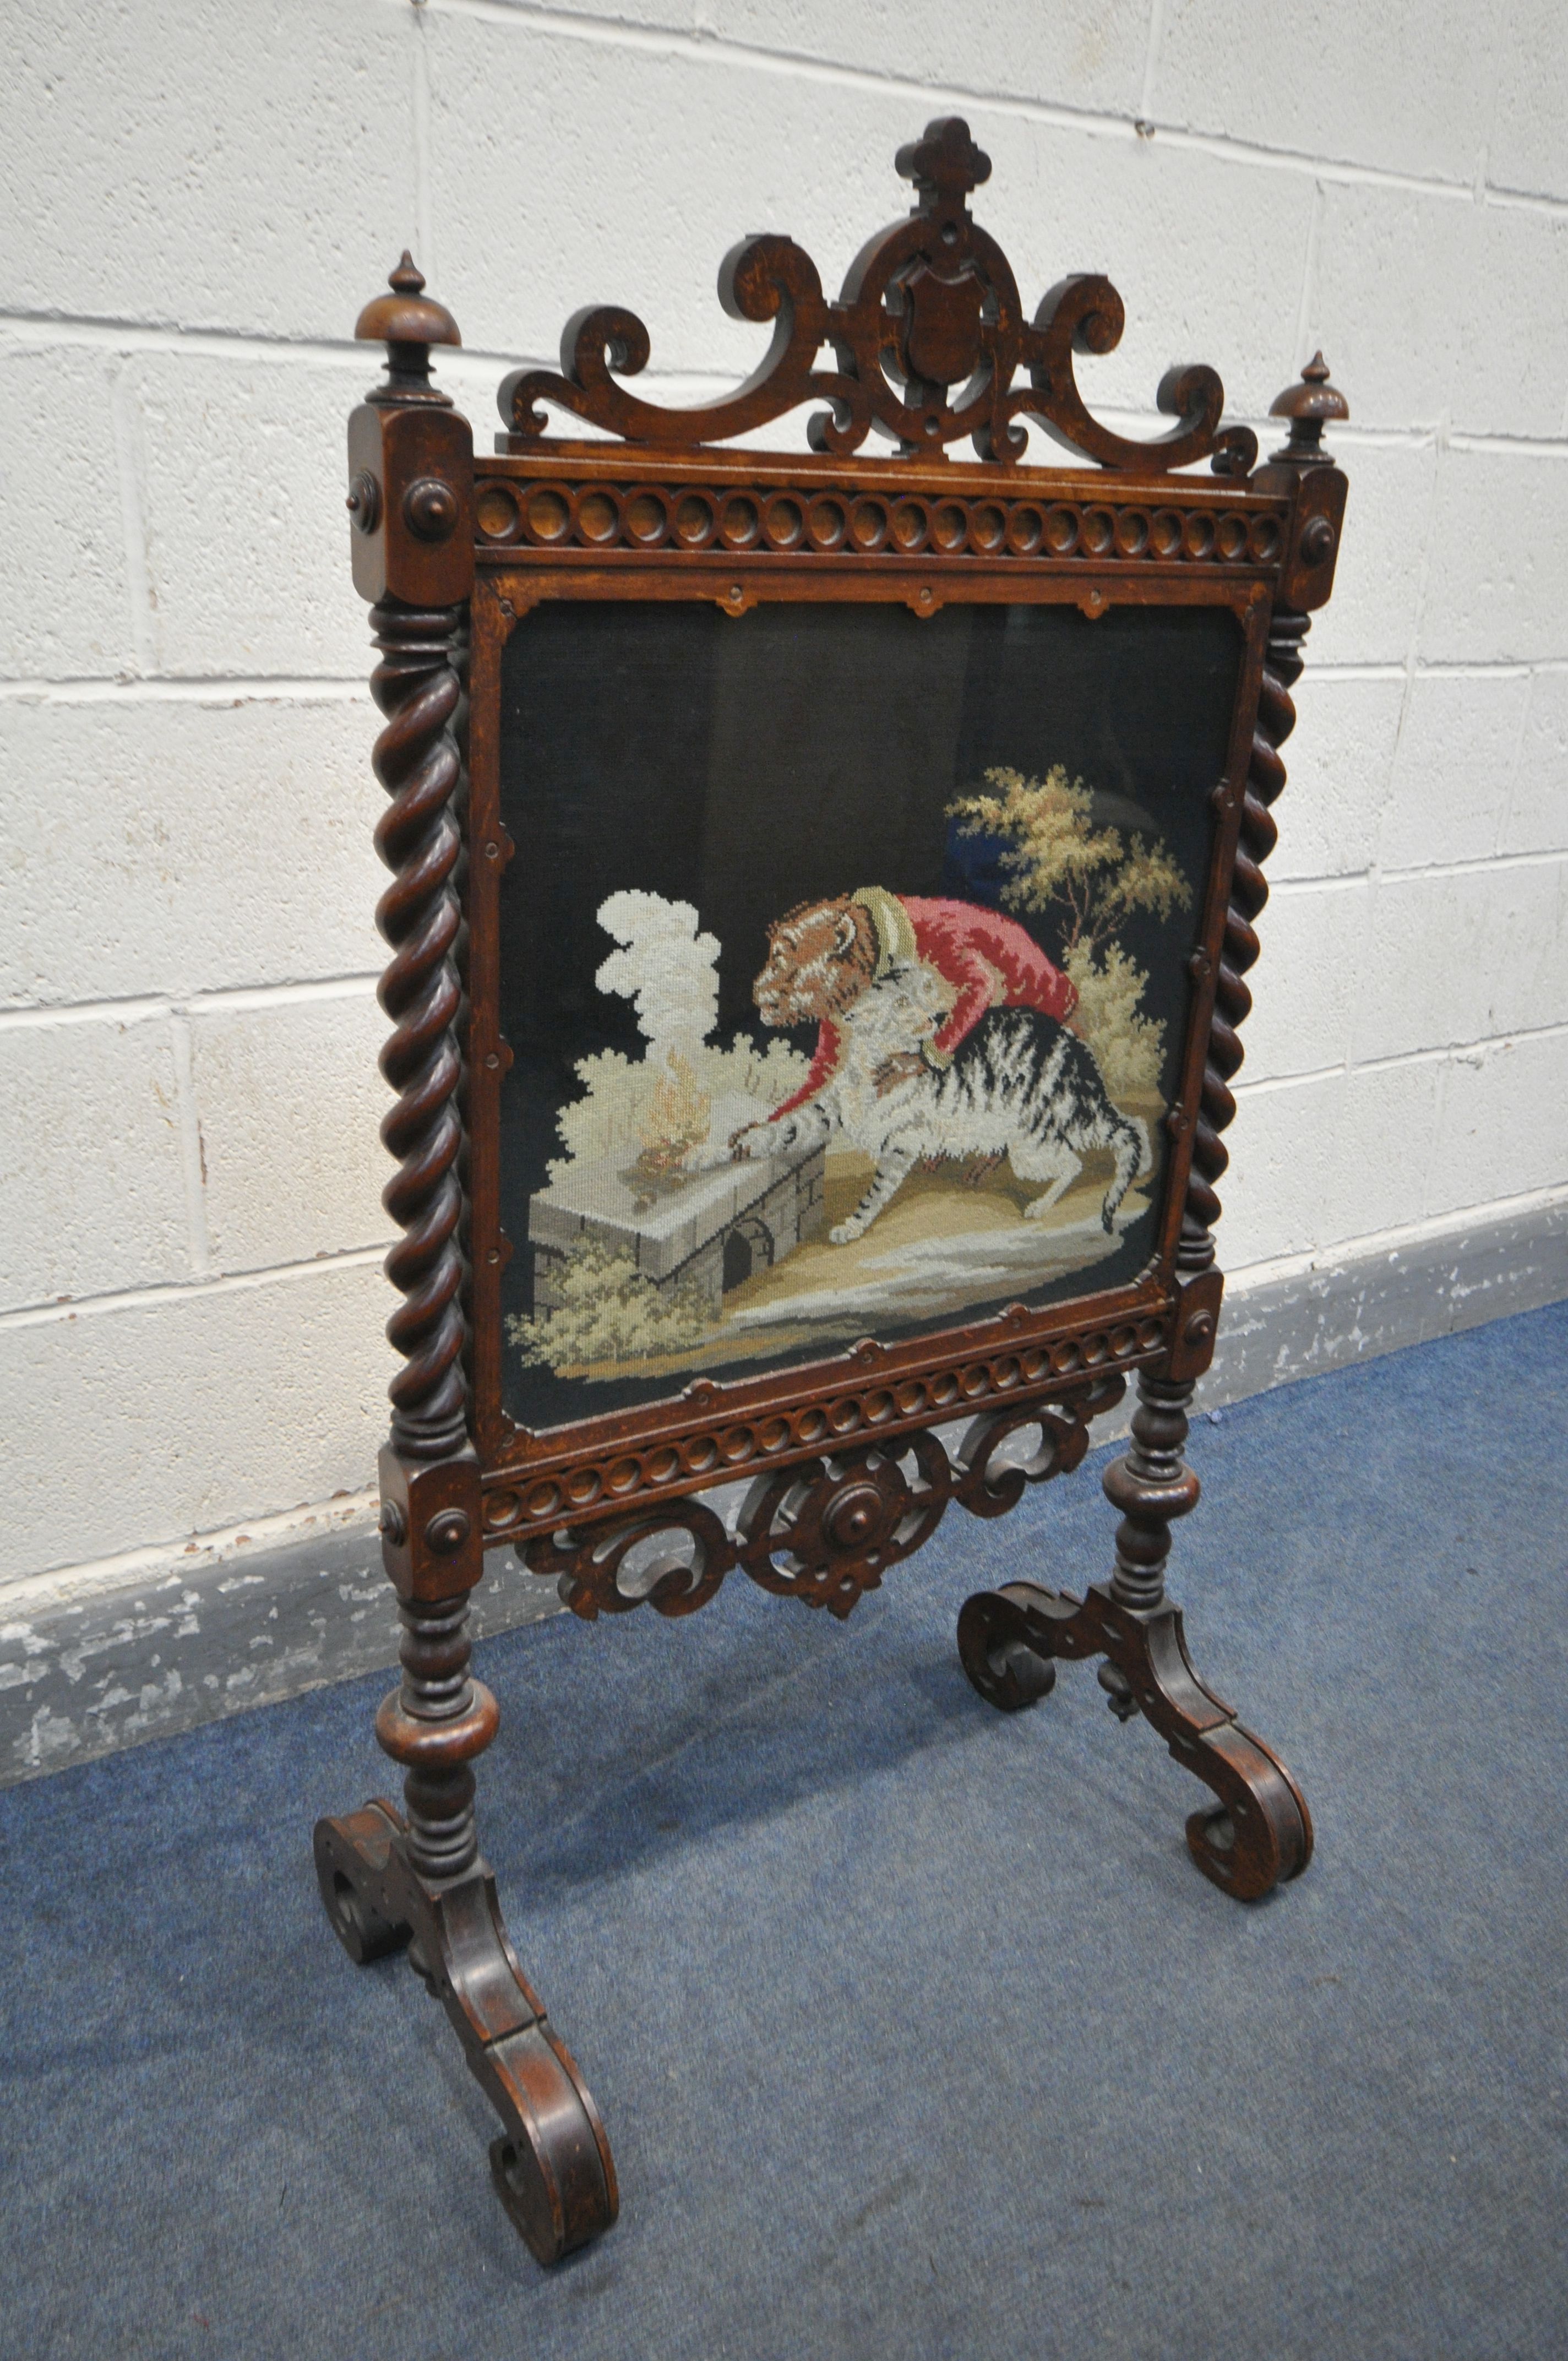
[(929, 335)]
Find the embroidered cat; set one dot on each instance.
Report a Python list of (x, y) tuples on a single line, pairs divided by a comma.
[(1019, 1086), (822, 955)]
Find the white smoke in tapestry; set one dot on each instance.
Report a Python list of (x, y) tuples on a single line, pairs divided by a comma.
[(671, 1111), (670, 972), (664, 965)]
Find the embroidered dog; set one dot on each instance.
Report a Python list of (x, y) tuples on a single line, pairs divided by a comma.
[(1019, 1084), (824, 955)]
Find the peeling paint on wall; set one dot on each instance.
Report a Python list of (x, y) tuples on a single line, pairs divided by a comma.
[(85, 1678)]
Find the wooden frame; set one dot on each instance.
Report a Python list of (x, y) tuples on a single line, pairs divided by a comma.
[(858, 1455)]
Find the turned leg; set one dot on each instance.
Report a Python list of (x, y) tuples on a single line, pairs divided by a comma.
[(419, 1878), (1152, 1486), (1259, 1832)]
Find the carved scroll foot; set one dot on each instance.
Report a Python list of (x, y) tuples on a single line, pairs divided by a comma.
[(353, 1861), (994, 1652), (1260, 1832), (551, 2165)]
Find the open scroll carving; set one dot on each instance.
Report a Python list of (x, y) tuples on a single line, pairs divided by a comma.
[(824, 1533), (928, 334)]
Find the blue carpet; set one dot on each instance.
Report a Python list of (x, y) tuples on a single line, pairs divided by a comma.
[(914, 2029)]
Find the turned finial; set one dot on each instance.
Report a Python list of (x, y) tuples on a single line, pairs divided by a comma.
[(408, 323), (1308, 405), (405, 317)]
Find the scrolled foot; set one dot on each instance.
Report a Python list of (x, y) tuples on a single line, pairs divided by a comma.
[(1260, 1835), (552, 2167), (352, 1860), (1259, 1831), (1002, 1662)]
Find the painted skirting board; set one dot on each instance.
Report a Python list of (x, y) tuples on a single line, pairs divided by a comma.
[(109, 1667)]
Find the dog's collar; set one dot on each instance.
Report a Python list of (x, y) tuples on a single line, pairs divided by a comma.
[(891, 927)]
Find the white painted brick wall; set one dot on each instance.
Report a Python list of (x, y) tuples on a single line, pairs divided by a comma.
[(1376, 608), (1361, 83), (212, 845), (244, 563), (199, 198), (1538, 805), (92, 1166), (1448, 795), (1495, 566), (67, 604), (290, 1100), (194, 1410), (1341, 766)]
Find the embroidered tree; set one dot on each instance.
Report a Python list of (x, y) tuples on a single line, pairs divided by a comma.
[(1057, 863), (1130, 1047), (609, 1312)]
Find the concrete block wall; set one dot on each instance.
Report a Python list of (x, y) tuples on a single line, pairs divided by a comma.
[(200, 197)]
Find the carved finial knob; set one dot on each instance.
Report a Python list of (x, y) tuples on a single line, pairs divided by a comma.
[(1309, 404), (1311, 397), (945, 164), (406, 316)]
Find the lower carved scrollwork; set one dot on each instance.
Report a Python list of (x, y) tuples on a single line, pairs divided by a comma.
[(826, 1531), (551, 2165)]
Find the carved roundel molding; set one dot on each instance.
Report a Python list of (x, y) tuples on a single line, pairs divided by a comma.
[(802, 522), (519, 1501), (928, 336)]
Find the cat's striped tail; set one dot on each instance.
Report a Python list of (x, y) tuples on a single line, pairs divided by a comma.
[(1128, 1140)]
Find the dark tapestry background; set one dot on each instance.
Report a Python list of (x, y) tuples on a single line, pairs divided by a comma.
[(749, 763)]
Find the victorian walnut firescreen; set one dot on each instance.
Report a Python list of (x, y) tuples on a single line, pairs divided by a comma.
[(822, 888)]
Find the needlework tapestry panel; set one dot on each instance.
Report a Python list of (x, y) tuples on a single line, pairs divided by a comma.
[(843, 962)]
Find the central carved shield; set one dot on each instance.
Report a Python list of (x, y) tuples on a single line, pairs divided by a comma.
[(941, 343)]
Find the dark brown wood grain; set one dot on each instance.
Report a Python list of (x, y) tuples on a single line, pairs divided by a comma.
[(824, 1531), (853, 1460)]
